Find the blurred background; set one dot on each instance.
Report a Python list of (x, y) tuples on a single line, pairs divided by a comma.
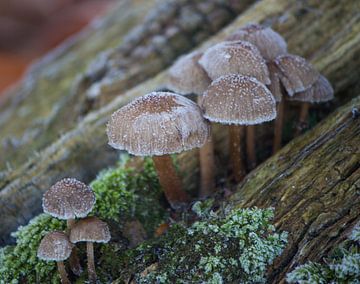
[(29, 28)]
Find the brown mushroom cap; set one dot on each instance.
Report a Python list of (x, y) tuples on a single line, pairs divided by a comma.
[(321, 91), (55, 246), (296, 74), (90, 229), (68, 199), (235, 57), (236, 99), (186, 76), (270, 43), (158, 123)]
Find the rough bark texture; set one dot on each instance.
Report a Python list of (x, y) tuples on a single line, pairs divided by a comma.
[(314, 180)]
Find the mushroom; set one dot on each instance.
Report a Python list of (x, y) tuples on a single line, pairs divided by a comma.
[(270, 43), (69, 199), (296, 75), (159, 124), (321, 91), (90, 230), (235, 57), (186, 76), (238, 100), (55, 246)]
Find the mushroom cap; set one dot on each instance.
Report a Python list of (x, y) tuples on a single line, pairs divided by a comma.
[(296, 74), (275, 86), (321, 91), (68, 199), (186, 76), (90, 229), (158, 123), (235, 57), (55, 246), (236, 99), (270, 43)]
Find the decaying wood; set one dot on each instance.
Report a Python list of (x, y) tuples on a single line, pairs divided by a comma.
[(311, 29)]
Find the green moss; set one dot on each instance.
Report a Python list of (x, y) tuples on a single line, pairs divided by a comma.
[(121, 194), (234, 247), (342, 266)]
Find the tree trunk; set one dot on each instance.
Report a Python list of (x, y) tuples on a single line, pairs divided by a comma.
[(314, 181)]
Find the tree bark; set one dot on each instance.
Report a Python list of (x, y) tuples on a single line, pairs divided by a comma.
[(331, 42)]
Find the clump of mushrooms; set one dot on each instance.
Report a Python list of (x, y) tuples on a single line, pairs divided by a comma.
[(157, 125), (185, 77)]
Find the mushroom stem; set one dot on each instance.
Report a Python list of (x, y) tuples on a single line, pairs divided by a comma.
[(207, 169), (278, 126), (304, 111), (74, 261), (236, 133), (170, 181), (62, 271), (91, 262), (250, 146)]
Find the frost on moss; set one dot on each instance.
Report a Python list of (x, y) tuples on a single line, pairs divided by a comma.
[(121, 193), (220, 249), (343, 266)]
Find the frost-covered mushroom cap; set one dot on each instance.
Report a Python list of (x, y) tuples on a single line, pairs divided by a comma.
[(236, 99), (186, 76), (90, 229), (297, 75), (321, 91), (235, 57), (270, 43), (158, 123), (275, 86), (55, 246), (68, 199)]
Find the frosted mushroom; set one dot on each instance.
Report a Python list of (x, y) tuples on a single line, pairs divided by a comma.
[(270, 43), (90, 230), (55, 246), (320, 92), (238, 100), (68, 199), (235, 57), (186, 76), (159, 124)]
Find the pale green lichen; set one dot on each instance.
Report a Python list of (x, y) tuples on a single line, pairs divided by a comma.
[(343, 266), (121, 193), (236, 247)]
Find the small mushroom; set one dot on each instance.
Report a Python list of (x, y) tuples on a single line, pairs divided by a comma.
[(235, 57), (159, 124), (186, 76), (321, 91), (69, 199), (238, 100), (55, 246), (90, 230), (270, 43)]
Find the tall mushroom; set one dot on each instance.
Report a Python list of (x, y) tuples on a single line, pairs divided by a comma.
[(159, 124), (90, 230), (237, 57), (185, 77), (69, 199), (55, 246), (238, 100)]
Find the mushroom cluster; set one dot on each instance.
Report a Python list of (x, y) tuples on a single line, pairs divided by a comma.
[(240, 82), (243, 82), (69, 199)]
